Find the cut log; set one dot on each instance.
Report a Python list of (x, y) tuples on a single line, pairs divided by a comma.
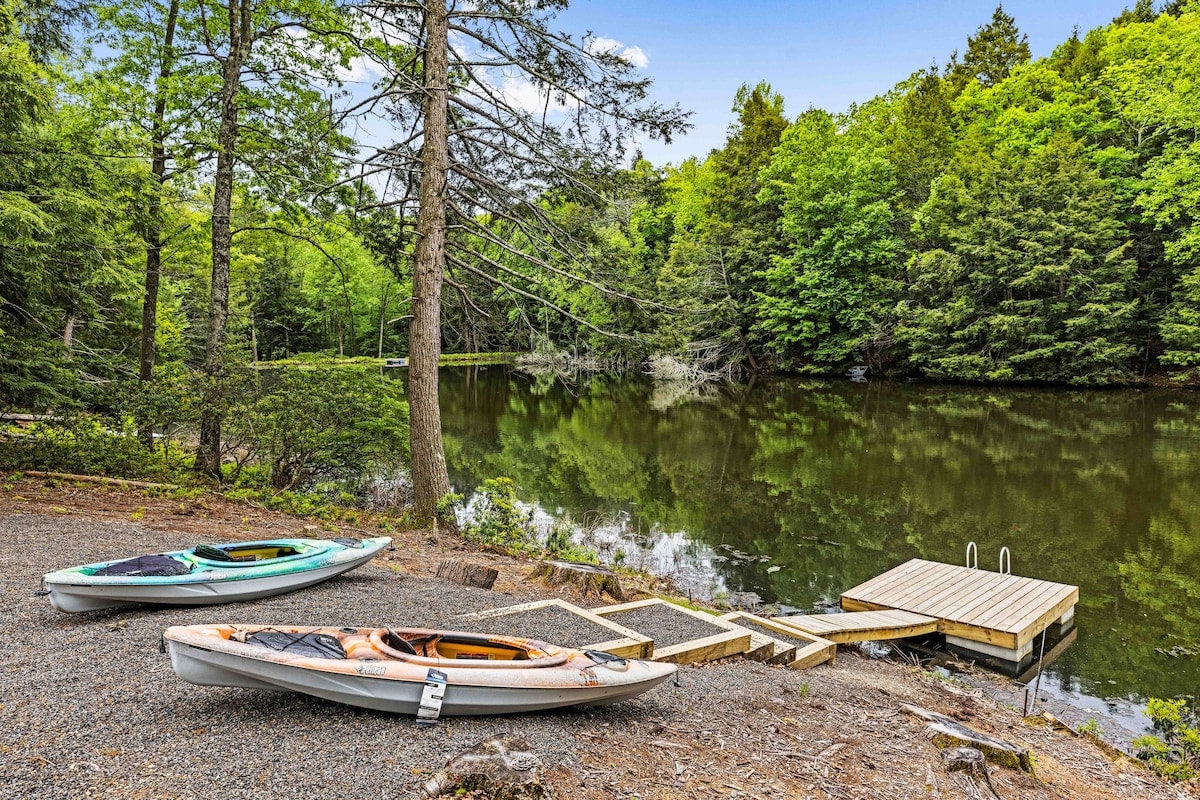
[(69, 476), (465, 573), (950, 733), (501, 768), (587, 578)]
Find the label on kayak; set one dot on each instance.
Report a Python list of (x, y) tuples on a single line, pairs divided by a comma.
[(431, 697)]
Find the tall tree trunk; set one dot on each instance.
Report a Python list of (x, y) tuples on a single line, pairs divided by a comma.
[(383, 301), (208, 457), (431, 482), (69, 335), (154, 234)]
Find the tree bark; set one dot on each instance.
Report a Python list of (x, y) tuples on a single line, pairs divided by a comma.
[(154, 234), (208, 457), (465, 573), (69, 334), (431, 482), (587, 578)]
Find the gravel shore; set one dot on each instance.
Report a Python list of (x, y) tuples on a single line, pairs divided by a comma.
[(90, 707), (93, 709)]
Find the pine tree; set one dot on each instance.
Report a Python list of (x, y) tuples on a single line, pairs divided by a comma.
[(992, 53)]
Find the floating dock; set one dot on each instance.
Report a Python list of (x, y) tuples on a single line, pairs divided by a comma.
[(992, 613)]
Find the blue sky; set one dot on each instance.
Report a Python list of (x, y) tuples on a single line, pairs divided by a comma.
[(819, 54)]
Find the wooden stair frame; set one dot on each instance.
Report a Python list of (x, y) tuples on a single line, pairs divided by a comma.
[(627, 644), (732, 640), (774, 651)]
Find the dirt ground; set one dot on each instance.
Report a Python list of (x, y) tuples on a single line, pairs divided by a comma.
[(830, 732)]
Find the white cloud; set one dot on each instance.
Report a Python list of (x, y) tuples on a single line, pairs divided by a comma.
[(528, 96), (361, 70), (634, 55)]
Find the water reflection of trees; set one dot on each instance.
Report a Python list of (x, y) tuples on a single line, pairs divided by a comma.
[(838, 482)]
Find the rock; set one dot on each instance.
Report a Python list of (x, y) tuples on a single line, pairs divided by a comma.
[(501, 768)]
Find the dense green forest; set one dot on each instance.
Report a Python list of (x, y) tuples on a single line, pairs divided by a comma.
[(992, 219)]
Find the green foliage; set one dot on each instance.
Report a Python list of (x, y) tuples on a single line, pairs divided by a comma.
[(1030, 281), (497, 520), (323, 424), (90, 445), (447, 509), (836, 189), (1175, 752), (992, 53)]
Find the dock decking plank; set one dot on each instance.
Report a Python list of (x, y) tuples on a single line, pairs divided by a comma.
[(861, 626)]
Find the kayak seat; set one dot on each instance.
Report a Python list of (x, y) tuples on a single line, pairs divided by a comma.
[(211, 553), (397, 642)]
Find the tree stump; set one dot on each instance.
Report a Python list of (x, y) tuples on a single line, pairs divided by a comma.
[(467, 574), (502, 767), (972, 764), (588, 578), (949, 733)]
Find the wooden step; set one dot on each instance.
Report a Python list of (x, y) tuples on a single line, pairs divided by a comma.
[(776, 643), (862, 626)]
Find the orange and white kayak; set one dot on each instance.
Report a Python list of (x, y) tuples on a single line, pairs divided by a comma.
[(419, 671)]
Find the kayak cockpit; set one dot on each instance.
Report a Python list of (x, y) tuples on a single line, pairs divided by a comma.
[(410, 645), (251, 553)]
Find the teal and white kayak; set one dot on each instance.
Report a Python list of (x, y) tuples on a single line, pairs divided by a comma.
[(208, 574)]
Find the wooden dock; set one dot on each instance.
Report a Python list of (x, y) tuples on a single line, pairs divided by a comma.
[(862, 626), (987, 612)]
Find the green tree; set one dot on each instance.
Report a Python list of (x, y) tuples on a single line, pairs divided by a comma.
[(1030, 281), (272, 113), (992, 53), (64, 283), (823, 300), (744, 226), (922, 137)]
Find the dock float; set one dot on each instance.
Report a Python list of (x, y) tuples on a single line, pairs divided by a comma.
[(992, 613)]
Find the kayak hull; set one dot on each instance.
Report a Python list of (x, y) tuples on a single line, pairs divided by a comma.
[(75, 590), (550, 678)]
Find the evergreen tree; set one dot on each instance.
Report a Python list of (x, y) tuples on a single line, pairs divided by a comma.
[(921, 137), (992, 53), (473, 160), (1030, 281)]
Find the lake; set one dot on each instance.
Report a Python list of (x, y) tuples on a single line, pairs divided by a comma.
[(798, 489)]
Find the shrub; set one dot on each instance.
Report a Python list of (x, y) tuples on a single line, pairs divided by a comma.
[(1175, 752), (496, 520), (324, 425)]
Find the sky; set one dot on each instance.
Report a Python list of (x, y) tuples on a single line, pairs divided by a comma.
[(815, 54)]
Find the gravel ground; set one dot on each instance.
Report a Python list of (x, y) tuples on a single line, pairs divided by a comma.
[(89, 707)]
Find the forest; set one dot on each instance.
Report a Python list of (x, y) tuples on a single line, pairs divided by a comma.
[(187, 187)]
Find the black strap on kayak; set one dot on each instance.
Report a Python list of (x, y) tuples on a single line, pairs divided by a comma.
[(42, 592)]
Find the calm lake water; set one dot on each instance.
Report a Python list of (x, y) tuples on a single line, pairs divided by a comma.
[(797, 490)]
